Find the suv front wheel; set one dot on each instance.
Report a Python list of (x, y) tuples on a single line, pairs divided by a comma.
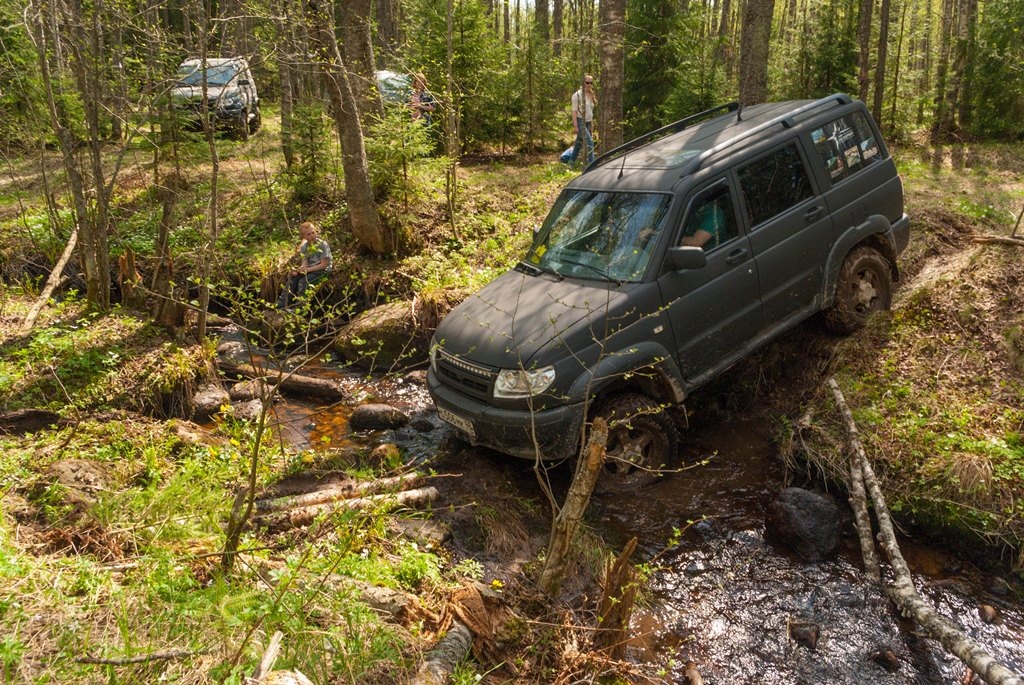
[(864, 286), (642, 442)]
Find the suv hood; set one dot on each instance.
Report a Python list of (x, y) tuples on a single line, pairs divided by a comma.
[(183, 93), (517, 315)]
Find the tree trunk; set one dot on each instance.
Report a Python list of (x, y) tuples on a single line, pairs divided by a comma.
[(540, 18), (358, 54), (389, 34), (942, 72), (366, 225), (613, 27), (556, 26), (46, 20), (568, 519), (864, 40), (754, 37), (883, 57)]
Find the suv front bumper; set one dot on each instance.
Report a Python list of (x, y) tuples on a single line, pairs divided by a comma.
[(519, 432)]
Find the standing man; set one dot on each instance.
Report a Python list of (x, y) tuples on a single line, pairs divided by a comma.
[(314, 264), (583, 103)]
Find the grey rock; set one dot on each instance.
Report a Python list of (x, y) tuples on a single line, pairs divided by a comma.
[(207, 402), (377, 416), (806, 522)]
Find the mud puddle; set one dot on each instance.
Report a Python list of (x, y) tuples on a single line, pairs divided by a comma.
[(744, 610), (720, 594)]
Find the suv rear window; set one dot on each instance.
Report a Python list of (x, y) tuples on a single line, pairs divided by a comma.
[(773, 184), (846, 145)]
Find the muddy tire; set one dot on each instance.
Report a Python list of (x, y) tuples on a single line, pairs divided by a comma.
[(642, 442), (864, 286)]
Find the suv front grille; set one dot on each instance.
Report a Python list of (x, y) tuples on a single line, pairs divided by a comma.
[(470, 378)]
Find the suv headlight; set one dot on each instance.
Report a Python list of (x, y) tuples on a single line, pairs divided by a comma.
[(523, 383)]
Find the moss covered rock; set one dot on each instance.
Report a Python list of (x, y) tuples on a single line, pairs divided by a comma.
[(385, 338)]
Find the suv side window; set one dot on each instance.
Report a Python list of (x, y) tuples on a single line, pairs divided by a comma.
[(711, 220), (773, 184), (846, 145)]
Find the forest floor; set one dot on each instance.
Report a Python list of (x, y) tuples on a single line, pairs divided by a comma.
[(112, 533)]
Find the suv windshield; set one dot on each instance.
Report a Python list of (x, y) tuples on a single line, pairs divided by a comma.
[(219, 75), (600, 235)]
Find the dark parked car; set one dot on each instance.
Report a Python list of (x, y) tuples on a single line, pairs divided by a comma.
[(232, 101), (670, 259)]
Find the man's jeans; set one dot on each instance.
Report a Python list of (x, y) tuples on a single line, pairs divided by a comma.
[(582, 134), (297, 286)]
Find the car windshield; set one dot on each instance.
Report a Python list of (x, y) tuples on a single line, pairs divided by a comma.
[(600, 235), (216, 75)]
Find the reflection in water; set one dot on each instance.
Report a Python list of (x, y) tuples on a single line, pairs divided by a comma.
[(730, 600)]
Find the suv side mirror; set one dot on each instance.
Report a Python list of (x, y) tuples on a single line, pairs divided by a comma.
[(687, 258)]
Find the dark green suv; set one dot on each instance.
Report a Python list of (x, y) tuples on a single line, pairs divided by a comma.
[(668, 260)]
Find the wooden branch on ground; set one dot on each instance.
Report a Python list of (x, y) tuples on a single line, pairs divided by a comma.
[(858, 497), (445, 656), (333, 493), (303, 516), (51, 282), (568, 519), (998, 239), (618, 595), (269, 657), (904, 594), (308, 386)]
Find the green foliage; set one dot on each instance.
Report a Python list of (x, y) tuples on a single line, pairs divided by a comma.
[(310, 139), (484, 86), (23, 118), (671, 69), (392, 146), (998, 83)]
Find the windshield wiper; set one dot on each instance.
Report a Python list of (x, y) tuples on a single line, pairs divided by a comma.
[(606, 276), (537, 271), (530, 268)]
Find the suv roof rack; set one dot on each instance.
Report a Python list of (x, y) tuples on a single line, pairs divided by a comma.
[(668, 129), (785, 119)]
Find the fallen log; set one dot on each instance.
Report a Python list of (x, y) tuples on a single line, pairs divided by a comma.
[(303, 516), (903, 592), (334, 493), (445, 656), (22, 421), (308, 386), (52, 281), (998, 239), (858, 497)]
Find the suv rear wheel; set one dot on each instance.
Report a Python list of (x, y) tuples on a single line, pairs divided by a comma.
[(864, 286), (642, 441)]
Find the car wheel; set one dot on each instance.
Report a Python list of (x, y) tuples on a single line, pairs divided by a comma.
[(254, 124), (864, 286), (642, 442)]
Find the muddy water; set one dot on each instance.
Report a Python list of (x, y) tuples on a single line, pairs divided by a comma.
[(734, 603), (724, 596)]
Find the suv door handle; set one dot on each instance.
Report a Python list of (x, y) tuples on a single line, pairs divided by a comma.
[(736, 256), (813, 213)]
